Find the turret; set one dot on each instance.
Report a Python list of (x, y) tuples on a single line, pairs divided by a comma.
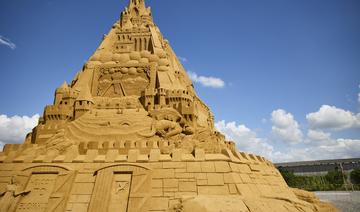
[(149, 99), (126, 20), (137, 7), (60, 92), (83, 102), (162, 96), (136, 14)]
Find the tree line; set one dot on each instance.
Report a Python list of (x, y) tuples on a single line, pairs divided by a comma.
[(332, 181)]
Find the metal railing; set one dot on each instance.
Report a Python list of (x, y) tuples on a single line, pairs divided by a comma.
[(328, 187)]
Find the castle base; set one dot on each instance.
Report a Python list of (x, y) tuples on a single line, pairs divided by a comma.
[(135, 182)]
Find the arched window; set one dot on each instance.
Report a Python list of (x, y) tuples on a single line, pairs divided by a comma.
[(140, 46)]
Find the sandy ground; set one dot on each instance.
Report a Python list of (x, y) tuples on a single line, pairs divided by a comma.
[(345, 201)]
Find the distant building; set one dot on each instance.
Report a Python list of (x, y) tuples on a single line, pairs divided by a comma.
[(320, 167)]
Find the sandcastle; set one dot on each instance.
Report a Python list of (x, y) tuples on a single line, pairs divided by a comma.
[(129, 133)]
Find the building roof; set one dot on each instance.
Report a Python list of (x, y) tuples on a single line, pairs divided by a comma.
[(63, 87), (318, 162)]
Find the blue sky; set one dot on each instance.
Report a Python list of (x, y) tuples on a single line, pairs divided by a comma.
[(290, 69)]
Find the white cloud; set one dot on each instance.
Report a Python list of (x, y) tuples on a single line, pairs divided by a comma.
[(317, 144), (320, 145), (330, 117), (246, 139), (14, 129), (318, 136), (7, 42), (183, 59), (285, 127), (338, 149), (207, 81), (333, 149)]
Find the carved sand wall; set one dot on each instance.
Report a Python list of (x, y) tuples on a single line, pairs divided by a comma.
[(155, 182)]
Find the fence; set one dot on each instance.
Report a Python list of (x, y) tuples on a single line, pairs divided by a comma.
[(327, 187)]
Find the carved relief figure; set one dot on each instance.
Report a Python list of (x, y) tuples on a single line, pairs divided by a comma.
[(104, 83), (11, 196), (167, 128), (167, 123), (118, 86), (122, 82)]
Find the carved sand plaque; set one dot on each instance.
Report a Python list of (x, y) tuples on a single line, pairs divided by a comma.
[(41, 186)]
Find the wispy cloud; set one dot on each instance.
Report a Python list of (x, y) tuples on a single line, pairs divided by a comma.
[(206, 81), (183, 59), (7, 42)]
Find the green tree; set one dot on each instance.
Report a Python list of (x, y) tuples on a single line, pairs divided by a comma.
[(335, 179), (355, 176), (289, 177)]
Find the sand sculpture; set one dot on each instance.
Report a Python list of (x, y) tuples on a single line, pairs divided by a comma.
[(129, 133)]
